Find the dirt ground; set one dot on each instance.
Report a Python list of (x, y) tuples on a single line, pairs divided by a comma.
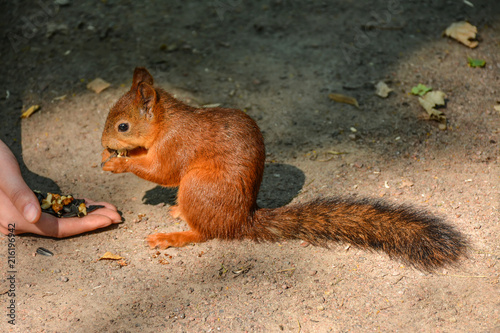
[(279, 61)]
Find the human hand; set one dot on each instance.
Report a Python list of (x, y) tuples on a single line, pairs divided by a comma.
[(20, 207)]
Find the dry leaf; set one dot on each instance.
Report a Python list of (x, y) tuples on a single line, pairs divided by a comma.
[(30, 111), (429, 101), (209, 106), (110, 256), (382, 89), (339, 98), (98, 85), (463, 32), (59, 98), (122, 263)]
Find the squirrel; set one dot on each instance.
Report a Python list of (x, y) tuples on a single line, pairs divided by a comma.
[(216, 157)]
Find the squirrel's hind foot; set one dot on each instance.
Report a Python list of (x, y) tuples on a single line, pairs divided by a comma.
[(174, 239)]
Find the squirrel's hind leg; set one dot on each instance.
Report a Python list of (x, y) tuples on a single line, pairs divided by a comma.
[(174, 239)]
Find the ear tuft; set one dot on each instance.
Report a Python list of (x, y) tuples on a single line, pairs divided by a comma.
[(141, 74), (146, 97)]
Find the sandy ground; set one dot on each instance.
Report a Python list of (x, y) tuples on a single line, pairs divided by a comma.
[(277, 60)]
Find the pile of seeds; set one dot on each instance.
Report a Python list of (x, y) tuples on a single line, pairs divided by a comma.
[(64, 205)]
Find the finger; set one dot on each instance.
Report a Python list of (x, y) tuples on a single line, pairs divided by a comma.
[(89, 202), (15, 188), (3, 230), (10, 216), (109, 210), (51, 226)]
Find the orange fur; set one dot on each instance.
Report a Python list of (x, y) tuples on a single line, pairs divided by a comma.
[(216, 157)]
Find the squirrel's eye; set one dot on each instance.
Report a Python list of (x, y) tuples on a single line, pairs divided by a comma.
[(123, 127)]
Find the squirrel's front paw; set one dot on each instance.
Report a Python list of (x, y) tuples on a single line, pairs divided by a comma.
[(116, 164)]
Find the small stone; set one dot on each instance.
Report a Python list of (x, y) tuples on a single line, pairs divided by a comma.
[(358, 165), (64, 278), (312, 272)]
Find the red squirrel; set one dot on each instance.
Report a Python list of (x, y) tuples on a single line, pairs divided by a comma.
[(216, 157)]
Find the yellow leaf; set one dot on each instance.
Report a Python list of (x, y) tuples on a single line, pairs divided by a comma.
[(30, 111), (429, 101), (98, 85), (339, 98), (110, 256), (382, 89), (463, 32)]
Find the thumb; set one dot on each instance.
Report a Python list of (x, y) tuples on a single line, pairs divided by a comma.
[(26, 203), (13, 185)]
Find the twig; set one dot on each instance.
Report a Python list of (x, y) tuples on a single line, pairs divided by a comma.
[(336, 282), (285, 270), (466, 276), (333, 153)]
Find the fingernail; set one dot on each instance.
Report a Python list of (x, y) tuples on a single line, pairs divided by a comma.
[(30, 213)]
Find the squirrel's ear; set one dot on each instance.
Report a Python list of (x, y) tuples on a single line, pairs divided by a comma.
[(141, 74), (146, 98)]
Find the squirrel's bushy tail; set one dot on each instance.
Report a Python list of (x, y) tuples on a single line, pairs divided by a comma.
[(411, 236)]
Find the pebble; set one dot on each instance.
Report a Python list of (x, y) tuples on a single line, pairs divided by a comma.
[(358, 165), (64, 278), (312, 272)]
